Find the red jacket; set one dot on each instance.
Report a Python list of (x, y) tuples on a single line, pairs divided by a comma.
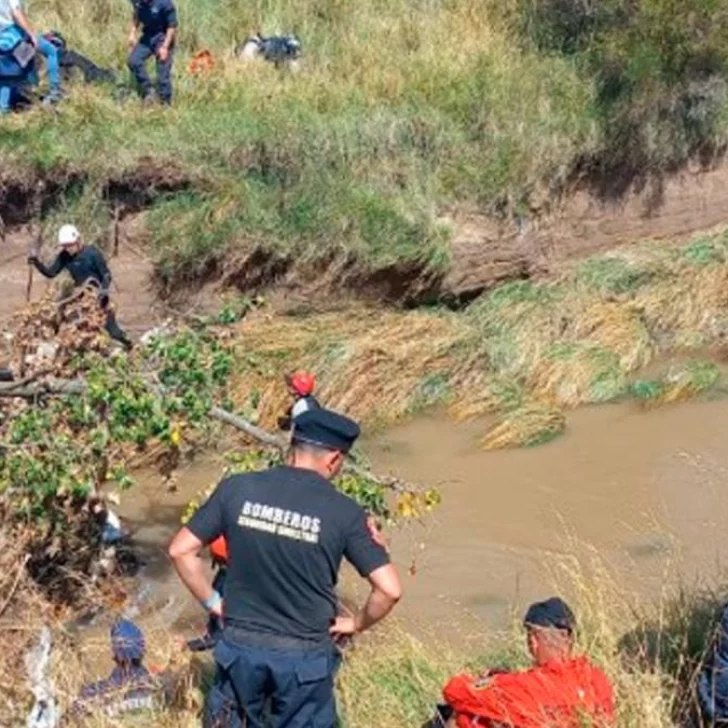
[(555, 695)]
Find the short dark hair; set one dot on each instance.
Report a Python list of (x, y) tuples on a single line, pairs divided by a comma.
[(311, 448)]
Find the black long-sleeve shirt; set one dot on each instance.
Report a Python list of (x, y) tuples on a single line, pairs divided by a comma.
[(88, 264)]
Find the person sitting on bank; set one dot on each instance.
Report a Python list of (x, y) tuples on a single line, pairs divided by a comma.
[(560, 691), (713, 681), (153, 32), (300, 386), (85, 263), (130, 687)]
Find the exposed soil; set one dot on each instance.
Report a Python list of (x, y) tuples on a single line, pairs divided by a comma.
[(484, 251)]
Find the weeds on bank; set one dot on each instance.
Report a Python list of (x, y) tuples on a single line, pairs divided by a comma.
[(389, 123)]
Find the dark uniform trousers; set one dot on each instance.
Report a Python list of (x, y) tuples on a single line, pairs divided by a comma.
[(142, 52), (271, 682)]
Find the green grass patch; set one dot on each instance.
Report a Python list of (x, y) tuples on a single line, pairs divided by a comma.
[(705, 251), (679, 383), (609, 275)]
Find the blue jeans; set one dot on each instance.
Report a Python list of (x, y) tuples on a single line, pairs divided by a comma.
[(138, 58), (50, 53), (257, 686), (6, 96)]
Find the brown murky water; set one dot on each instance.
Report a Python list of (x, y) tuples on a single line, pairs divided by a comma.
[(647, 490)]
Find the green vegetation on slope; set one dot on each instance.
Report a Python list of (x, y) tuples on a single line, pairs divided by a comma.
[(403, 110)]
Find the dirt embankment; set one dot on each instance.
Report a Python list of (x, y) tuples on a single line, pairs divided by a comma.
[(484, 251)]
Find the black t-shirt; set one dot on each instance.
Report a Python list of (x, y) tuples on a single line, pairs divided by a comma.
[(87, 264), (287, 530)]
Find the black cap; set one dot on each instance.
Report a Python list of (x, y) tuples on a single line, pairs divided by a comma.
[(327, 429), (554, 613)]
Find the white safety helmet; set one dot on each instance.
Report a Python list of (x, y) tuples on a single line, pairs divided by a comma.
[(68, 235)]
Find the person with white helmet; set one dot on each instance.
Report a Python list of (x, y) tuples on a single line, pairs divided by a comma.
[(84, 263)]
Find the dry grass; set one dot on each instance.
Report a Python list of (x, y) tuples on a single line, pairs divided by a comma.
[(525, 352), (377, 366), (525, 427), (391, 679)]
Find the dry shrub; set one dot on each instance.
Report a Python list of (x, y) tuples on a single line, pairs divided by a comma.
[(73, 325), (22, 613), (524, 427)]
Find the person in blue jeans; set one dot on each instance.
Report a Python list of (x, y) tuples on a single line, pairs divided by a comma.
[(153, 32), (12, 13)]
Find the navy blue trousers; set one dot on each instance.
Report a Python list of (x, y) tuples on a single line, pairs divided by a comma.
[(272, 687), (137, 65)]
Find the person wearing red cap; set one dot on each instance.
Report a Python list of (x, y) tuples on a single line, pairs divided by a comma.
[(300, 386), (560, 691)]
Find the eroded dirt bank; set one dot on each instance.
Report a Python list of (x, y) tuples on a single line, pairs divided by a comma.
[(483, 250), (485, 253)]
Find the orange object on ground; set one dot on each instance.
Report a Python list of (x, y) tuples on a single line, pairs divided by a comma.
[(554, 695), (219, 549), (202, 62)]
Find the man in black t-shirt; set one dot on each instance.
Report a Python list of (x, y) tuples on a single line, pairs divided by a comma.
[(287, 530)]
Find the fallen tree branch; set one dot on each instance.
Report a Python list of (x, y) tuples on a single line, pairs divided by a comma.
[(58, 387), (268, 438), (62, 387), (18, 576)]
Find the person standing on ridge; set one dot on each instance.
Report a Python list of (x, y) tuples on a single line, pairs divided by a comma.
[(300, 386), (157, 21), (287, 530), (85, 263)]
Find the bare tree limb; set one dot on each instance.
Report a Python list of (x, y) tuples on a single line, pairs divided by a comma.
[(268, 438), (41, 389)]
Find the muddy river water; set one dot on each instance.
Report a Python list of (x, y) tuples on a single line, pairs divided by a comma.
[(647, 490)]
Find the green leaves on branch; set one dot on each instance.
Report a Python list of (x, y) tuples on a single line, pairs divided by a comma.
[(71, 446)]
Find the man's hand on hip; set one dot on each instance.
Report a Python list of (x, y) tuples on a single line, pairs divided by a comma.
[(343, 627)]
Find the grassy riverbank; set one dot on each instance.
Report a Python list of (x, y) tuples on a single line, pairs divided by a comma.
[(405, 112)]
